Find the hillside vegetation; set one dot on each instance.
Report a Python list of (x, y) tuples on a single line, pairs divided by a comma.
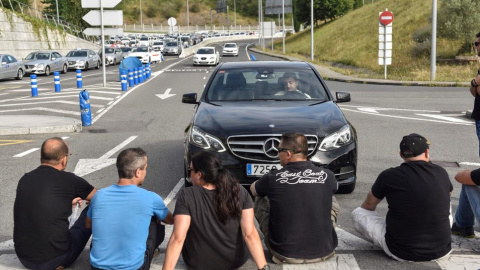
[(352, 42)]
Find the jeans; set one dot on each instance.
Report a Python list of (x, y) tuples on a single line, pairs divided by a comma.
[(156, 235), (468, 206), (79, 236), (477, 127)]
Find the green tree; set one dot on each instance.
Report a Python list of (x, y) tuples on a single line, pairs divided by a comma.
[(70, 11), (301, 11), (459, 19)]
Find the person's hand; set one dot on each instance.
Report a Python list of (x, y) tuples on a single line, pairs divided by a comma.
[(77, 200)]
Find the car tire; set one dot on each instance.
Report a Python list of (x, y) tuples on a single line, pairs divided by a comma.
[(65, 69), (19, 74), (98, 65), (346, 189), (47, 70), (86, 67)]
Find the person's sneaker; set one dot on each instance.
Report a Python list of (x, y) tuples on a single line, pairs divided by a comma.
[(463, 232)]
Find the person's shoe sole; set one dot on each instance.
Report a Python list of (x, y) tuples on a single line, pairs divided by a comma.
[(463, 235)]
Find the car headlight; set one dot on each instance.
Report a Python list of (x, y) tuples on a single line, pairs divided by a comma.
[(338, 139), (212, 57), (204, 140), (40, 66), (80, 62), (195, 58)]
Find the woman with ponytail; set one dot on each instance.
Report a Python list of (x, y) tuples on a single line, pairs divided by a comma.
[(213, 223)]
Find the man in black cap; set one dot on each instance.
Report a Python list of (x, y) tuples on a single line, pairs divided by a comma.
[(417, 227)]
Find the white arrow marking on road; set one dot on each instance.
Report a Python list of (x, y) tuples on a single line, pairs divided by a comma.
[(469, 164), (86, 166), (372, 110), (446, 118), (166, 94), (26, 152)]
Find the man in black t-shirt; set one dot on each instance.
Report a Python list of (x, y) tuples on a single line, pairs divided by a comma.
[(468, 203), (294, 206), (474, 90), (417, 227), (42, 206)]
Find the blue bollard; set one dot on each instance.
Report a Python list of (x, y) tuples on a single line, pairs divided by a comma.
[(124, 80), (149, 70), (253, 57), (85, 111), (33, 83), (140, 75), (56, 80), (135, 76), (130, 78), (79, 79), (144, 74), (163, 59)]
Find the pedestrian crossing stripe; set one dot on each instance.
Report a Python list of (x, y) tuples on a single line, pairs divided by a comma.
[(11, 142)]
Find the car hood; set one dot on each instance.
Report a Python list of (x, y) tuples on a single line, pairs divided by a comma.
[(138, 53), (224, 119), (205, 55), (170, 47), (77, 58), (36, 62)]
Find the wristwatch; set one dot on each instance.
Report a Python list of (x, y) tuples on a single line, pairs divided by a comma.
[(266, 267)]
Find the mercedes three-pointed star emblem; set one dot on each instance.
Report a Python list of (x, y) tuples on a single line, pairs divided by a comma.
[(270, 147)]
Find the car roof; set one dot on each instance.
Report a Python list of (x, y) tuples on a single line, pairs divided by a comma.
[(206, 48), (265, 64)]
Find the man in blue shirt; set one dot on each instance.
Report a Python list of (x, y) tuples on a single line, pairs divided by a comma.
[(125, 218)]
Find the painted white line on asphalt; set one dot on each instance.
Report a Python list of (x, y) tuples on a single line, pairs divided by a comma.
[(460, 262), (446, 118), (101, 98), (26, 152), (204, 78), (372, 110), (101, 110), (154, 75), (42, 109), (64, 138), (109, 103), (387, 109), (174, 191), (339, 261), (469, 164), (411, 118), (49, 102), (2, 94)]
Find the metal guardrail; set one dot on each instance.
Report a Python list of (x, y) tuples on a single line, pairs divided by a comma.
[(27, 10)]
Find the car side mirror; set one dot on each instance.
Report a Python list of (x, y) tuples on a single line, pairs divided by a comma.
[(190, 98), (343, 97), (53, 58), (4, 63)]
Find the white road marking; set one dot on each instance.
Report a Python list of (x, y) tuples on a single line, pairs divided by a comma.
[(204, 78), (26, 152), (109, 103), (166, 94), (174, 191), (101, 110), (372, 110), (365, 108), (49, 102), (64, 138), (42, 109), (339, 261), (446, 118), (460, 262), (470, 164), (101, 98), (2, 94)]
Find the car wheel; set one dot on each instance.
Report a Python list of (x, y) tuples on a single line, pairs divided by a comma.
[(47, 70), (346, 189), (65, 69), (98, 65), (19, 74), (86, 66)]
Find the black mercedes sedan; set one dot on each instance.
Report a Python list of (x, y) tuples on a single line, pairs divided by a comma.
[(246, 107)]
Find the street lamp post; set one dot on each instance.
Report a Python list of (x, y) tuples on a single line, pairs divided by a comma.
[(141, 17), (211, 19), (235, 15), (58, 17), (188, 17)]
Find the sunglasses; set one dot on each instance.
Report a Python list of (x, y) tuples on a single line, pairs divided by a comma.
[(286, 150), (189, 169), (476, 43)]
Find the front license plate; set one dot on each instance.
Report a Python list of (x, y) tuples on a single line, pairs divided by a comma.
[(261, 169)]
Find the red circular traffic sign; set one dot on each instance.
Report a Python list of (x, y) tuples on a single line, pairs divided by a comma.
[(386, 17)]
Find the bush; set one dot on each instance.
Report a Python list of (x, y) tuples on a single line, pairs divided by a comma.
[(422, 37)]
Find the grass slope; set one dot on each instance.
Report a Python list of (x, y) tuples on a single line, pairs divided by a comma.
[(352, 41)]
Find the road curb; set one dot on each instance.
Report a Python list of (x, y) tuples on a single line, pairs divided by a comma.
[(17, 124), (344, 78)]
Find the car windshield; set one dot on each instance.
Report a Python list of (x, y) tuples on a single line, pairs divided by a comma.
[(126, 49), (157, 43), (144, 38), (38, 56), (77, 54), (230, 45), (205, 51), (140, 49), (266, 84), (172, 44), (109, 50)]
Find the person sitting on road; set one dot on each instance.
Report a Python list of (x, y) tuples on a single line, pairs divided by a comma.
[(125, 219), (42, 206), (468, 203), (290, 83), (217, 213), (417, 226), (295, 207)]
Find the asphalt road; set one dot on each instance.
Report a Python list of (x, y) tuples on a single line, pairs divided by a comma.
[(380, 114)]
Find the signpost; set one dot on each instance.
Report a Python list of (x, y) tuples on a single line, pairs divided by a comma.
[(171, 22), (385, 19), (102, 18)]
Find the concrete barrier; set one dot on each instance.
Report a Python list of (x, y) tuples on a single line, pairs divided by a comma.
[(207, 41)]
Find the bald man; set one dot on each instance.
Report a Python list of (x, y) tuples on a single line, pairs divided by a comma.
[(42, 206)]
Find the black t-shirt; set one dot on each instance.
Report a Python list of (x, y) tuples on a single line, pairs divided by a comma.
[(476, 106), (42, 206), (210, 244), (300, 195), (418, 225), (475, 175)]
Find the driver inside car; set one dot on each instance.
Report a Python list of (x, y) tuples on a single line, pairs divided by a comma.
[(290, 82)]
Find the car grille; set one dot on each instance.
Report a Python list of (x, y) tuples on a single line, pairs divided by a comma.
[(204, 58), (71, 62), (262, 147), (29, 66)]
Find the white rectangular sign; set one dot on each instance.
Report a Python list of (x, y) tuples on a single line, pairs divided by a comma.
[(389, 61), (106, 31), (388, 52), (381, 29), (381, 46), (110, 17), (381, 38), (96, 3)]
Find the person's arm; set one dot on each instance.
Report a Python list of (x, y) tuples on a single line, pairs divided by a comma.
[(90, 196), (168, 219), (252, 239), (175, 245), (371, 202), (465, 177), (88, 223), (474, 90), (252, 189)]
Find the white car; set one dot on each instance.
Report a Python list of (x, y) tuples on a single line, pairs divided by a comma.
[(206, 56), (158, 44), (146, 54), (230, 49)]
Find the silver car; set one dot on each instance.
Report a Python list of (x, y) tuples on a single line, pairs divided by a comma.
[(113, 56), (172, 47), (45, 62), (10, 67), (83, 59)]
